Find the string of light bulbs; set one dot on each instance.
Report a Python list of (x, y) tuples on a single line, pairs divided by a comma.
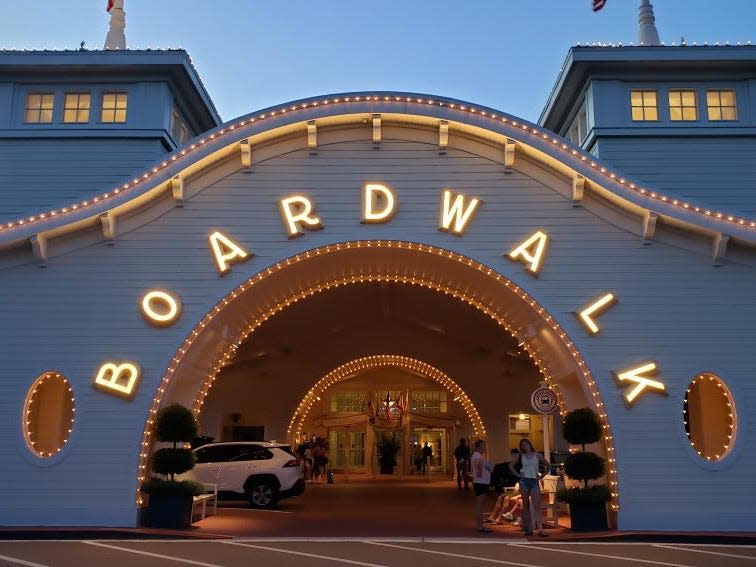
[(461, 292)]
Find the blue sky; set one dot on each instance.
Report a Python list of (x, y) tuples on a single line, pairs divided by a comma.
[(251, 54)]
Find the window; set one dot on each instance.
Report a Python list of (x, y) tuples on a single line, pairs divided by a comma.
[(39, 108), (682, 105), (429, 401), (76, 108), (251, 453), (643, 105), (709, 417), (347, 401), (114, 107), (579, 127), (721, 105), (48, 414), (179, 130), (216, 454)]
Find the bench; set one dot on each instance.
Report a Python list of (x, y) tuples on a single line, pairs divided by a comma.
[(200, 503)]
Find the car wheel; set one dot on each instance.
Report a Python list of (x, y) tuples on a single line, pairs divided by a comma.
[(262, 494)]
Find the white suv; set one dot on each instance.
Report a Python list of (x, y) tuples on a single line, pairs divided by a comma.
[(260, 471)]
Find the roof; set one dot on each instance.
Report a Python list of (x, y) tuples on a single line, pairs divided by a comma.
[(583, 61), (175, 64)]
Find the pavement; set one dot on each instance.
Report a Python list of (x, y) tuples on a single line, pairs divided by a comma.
[(387, 522), (405, 552)]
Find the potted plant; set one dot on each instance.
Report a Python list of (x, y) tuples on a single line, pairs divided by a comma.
[(170, 500), (388, 448), (587, 503)]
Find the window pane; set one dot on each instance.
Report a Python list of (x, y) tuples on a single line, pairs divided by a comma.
[(649, 98), (32, 116), (712, 98), (34, 101), (108, 100), (652, 114), (637, 113), (689, 113), (45, 115), (688, 98), (674, 98), (715, 113), (82, 115), (727, 98), (108, 115), (675, 113), (69, 115), (47, 101), (729, 113), (120, 116), (636, 98)]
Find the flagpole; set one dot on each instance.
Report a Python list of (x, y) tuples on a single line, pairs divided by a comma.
[(116, 38)]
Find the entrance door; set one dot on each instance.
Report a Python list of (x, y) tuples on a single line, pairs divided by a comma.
[(346, 449), (436, 439)]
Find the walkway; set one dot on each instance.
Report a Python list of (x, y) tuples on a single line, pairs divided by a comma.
[(360, 508)]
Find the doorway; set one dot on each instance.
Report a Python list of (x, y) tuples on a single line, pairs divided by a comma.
[(437, 441)]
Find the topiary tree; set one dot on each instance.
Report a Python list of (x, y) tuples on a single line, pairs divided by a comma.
[(583, 427), (174, 424)]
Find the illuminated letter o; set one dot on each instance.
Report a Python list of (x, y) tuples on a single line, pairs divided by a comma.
[(161, 307)]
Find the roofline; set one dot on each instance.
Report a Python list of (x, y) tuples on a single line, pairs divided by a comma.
[(605, 56), (117, 60), (155, 180)]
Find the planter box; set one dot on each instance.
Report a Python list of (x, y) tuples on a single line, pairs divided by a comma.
[(588, 517), (173, 511)]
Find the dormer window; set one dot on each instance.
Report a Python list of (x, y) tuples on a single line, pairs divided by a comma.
[(720, 105), (39, 108), (644, 106), (76, 108), (114, 107), (682, 105)]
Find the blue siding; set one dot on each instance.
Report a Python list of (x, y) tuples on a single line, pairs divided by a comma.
[(713, 171), (36, 175)]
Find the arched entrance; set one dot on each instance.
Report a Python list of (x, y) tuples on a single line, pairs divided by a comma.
[(214, 340)]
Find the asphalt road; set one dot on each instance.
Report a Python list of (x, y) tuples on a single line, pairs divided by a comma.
[(409, 552)]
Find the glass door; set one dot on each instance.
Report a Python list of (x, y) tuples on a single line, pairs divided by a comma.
[(436, 440), (346, 448)]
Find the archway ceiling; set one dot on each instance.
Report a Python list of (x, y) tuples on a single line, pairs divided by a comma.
[(350, 322), (348, 109)]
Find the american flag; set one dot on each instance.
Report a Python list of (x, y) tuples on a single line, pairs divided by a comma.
[(598, 4)]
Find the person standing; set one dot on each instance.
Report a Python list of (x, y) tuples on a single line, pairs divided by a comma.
[(462, 457), (427, 454), (481, 475), (532, 466)]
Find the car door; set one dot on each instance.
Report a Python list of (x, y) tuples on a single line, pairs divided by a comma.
[(209, 462), (241, 464)]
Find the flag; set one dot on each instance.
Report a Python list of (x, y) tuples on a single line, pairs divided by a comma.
[(598, 4), (111, 2)]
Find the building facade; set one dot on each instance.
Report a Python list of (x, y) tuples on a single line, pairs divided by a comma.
[(362, 263)]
